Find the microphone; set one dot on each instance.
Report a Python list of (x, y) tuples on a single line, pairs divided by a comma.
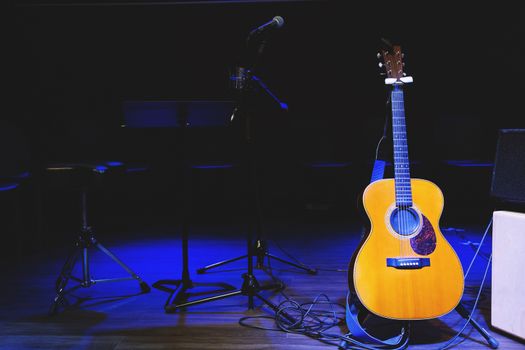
[(276, 23)]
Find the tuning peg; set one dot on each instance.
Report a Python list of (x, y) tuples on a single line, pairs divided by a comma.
[(380, 65), (404, 74), (379, 55)]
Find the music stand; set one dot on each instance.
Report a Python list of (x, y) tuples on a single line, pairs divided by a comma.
[(180, 114)]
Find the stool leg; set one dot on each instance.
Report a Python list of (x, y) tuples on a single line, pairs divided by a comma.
[(85, 241), (63, 279), (143, 285)]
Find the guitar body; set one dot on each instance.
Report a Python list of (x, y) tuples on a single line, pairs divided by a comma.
[(423, 278)]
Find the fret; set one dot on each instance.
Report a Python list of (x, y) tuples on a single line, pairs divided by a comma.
[(403, 187)]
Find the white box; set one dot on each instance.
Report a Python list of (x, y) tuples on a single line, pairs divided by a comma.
[(508, 272)]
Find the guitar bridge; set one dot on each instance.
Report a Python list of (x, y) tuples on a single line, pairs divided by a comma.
[(407, 263)]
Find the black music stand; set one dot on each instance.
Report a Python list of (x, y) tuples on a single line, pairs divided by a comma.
[(180, 114)]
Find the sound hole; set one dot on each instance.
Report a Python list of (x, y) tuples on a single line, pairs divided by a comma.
[(404, 221)]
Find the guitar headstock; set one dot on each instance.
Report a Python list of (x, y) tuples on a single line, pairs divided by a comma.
[(392, 60)]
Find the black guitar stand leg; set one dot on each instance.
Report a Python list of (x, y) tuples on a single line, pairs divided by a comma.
[(85, 241), (493, 343)]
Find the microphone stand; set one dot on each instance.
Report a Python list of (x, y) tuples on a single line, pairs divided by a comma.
[(244, 82)]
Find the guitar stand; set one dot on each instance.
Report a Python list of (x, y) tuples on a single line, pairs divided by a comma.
[(492, 342), (85, 241)]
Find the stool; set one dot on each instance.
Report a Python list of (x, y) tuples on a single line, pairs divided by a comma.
[(87, 172)]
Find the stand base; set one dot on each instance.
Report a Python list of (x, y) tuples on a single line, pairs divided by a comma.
[(180, 294), (493, 343), (250, 288), (260, 251), (86, 241)]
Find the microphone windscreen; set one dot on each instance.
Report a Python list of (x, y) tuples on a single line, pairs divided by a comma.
[(279, 21)]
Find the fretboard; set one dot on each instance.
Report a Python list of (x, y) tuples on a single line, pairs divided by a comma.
[(401, 161)]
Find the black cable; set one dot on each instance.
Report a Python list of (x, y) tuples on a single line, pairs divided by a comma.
[(312, 322), (315, 323)]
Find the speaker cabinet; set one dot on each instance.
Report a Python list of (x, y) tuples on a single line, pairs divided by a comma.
[(508, 177), (508, 272)]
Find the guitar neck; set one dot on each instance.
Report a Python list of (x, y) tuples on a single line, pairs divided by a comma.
[(401, 161)]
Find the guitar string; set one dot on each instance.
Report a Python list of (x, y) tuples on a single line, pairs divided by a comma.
[(402, 214), (396, 164), (401, 142), (396, 160), (403, 175), (399, 180), (404, 172), (396, 172)]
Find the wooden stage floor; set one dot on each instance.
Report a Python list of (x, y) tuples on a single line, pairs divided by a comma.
[(117, 316)]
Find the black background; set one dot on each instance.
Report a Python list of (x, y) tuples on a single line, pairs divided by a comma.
[(68, 68)]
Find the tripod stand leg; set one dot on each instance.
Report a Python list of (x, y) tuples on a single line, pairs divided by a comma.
[(85, 268), (63, 279), (220, 263), (65, 273), (310, 270), (143, 285), (60, 298), (173, 307), (493, 343)]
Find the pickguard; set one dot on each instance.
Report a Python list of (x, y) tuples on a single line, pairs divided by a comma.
[(424, 243)]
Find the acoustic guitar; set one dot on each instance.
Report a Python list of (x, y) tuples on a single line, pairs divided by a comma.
[(404, 268)]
